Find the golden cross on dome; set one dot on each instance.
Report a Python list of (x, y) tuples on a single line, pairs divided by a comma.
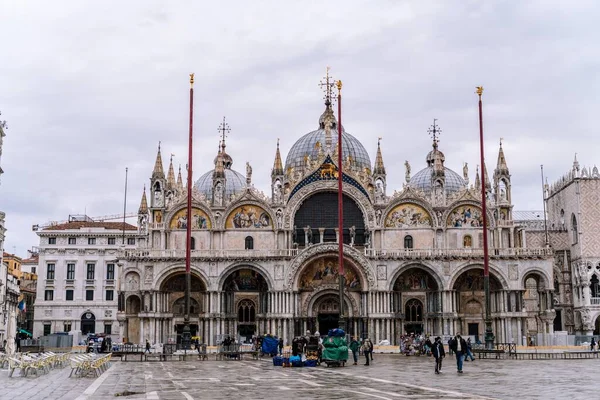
[(224, 129), (327, 86), (434, 131)]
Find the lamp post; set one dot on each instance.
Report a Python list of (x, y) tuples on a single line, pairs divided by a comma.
[(489, 334)]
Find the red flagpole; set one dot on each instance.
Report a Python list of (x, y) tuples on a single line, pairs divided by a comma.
[(489, 335), (186, 336), (340, 208)]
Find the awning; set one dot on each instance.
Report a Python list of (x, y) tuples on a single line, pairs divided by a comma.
[(25, 332)]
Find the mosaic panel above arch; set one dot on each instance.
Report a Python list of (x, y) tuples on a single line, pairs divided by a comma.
[(324, 271), (472, 280), (248, 216), (415, 279), (408, 215), (467, 216), (199, 219), (245, 280)]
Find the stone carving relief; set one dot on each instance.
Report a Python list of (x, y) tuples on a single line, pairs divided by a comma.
[(382, 272), (68, 313), (132, 281), (279, 272), (513, 272), (149, 274), (48, 312), (107, 313), (213, 270)]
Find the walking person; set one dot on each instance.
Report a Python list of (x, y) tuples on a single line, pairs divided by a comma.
[(437, 349), (354, 346), (593, 344), (459, 347), (469, 352), (147, 347), (280, 346), (367, 350)]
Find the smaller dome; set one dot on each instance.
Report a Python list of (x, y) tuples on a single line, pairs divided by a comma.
[(422, 180), (234, 183)]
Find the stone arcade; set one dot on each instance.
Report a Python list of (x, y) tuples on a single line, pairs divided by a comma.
[(268, 264)]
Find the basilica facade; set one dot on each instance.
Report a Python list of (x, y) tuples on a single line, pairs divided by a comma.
[(262, 264)]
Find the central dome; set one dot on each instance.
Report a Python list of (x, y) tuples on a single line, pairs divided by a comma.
[(422, 180), (234, 183), (307, 146)]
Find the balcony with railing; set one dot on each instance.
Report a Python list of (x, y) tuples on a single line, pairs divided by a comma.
[(458, 253), (595, 301), (208, 254)]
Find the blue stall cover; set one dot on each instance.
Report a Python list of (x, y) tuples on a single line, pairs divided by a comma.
[(269, 345)]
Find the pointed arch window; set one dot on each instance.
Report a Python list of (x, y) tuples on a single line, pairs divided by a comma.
[(249, 243), (413, 311), (408, 242), (574, 228), (595, 286)]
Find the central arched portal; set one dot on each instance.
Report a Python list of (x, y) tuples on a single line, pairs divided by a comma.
[(318, 289)]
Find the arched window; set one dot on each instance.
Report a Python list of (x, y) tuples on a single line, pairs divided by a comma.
[(246, 312), (467, 241), (193, 244), (595, 286), (249, 243), (413, 311), (408, 242), (574, 227)]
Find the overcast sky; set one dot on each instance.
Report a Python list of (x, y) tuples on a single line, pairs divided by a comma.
[(89, 88)]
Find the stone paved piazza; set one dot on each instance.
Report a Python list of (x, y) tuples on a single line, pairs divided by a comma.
[(390, 377)]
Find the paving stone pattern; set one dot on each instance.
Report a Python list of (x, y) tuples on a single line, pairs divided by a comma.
[(389, 377)]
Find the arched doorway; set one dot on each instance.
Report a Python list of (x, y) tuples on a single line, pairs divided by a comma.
[(416, 302), (321, 211), (173, 290), (328, 314), (88, 323), (245, 303), (471, 301)]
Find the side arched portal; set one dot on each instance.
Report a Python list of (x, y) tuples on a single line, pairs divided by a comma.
[(244, 302), (416, 302)]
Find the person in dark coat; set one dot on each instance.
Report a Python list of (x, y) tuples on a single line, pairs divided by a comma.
[(593, 344), (459, 347), (354, 346), (438, 352), (280, 346)]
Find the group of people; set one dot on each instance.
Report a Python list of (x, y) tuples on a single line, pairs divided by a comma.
[(366, 347), (460, 347)]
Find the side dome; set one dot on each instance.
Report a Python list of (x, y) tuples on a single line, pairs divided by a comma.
[(234, 183), (422, 180)]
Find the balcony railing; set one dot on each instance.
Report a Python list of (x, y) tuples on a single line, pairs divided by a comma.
[(236, 253), (595, 301), (458, 253)]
